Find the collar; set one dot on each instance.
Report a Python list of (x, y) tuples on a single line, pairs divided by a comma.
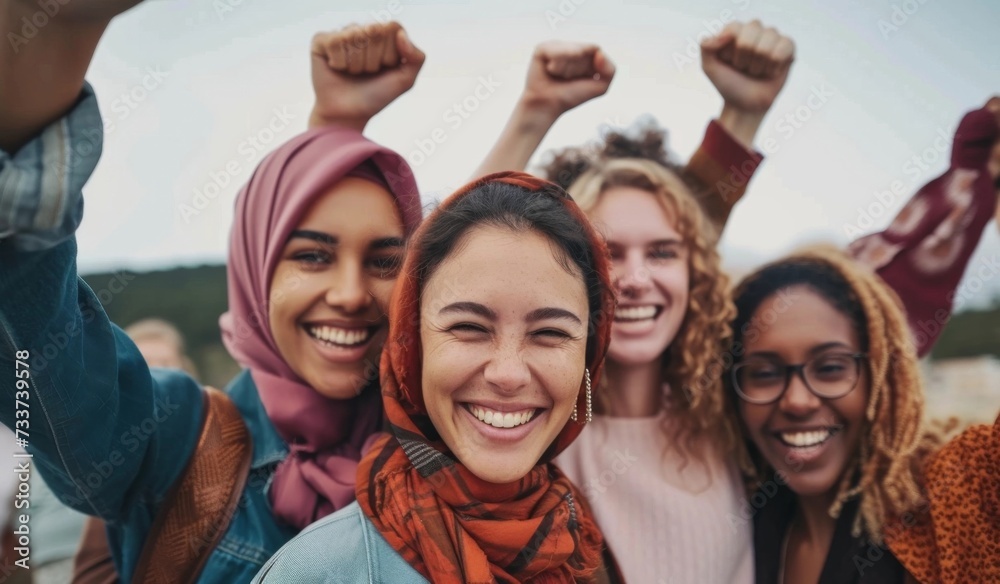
[(268, 447)]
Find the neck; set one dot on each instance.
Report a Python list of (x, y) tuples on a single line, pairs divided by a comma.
[(813, 516), (636, 390)]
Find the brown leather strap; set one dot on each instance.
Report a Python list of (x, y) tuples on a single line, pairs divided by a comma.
[(195, 513), (201, 505), (92, 563)]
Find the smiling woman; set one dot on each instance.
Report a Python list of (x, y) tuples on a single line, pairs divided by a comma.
[(827, 391), (499, 323)]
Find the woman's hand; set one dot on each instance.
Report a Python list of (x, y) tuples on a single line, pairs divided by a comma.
[(563, 75), (358, 71), (748, 64)]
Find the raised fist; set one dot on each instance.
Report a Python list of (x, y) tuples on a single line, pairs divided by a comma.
[(563, 75), (357, 71), (748, 64)]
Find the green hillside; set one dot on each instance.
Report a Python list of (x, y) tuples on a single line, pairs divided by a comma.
[(193, 299)]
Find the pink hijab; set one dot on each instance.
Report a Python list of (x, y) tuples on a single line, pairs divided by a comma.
[(325, 436)]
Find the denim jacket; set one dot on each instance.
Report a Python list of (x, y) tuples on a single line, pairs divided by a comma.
[(344, 547), (109, 435)]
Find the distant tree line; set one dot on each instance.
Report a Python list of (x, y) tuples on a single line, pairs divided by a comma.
[(194, 298)]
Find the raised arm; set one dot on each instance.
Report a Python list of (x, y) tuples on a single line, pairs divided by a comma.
[(42, 68), (358, 71), (924, 252), (107, 435), (748, 64), (561, 76)]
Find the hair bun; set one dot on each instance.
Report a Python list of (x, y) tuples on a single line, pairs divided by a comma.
[(644, 138)]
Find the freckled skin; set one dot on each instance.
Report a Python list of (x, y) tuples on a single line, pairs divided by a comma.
[(509, 359)]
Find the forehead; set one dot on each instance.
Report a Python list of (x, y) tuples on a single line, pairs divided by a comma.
[(354, 205), (796, 319), (632, 215), (497, 266)]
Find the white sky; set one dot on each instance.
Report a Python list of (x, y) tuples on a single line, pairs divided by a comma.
[(232, 65)]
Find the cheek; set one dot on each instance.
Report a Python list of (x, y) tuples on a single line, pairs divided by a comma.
[(560, 372), (382, 289), (754, 417), (674, 278)]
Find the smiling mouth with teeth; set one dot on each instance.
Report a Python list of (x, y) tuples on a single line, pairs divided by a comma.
[(808, 439), (500, 419), (632, 313), (339, 336)]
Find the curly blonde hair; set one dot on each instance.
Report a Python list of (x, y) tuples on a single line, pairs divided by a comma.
[(695, 402), (885, 472)]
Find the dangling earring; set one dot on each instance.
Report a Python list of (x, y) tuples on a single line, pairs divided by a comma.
[(590, 415)]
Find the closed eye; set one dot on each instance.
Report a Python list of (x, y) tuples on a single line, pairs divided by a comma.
[(312, 257), (554, 333), (468, 327)]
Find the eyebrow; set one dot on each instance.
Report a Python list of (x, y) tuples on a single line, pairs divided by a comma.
[(812, 352), (473, 307), (552, 312), (487, 313), (316, 236), (676, 242), (327, 239), (387, 242)]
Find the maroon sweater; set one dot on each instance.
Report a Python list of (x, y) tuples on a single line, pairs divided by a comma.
[(924, 252)]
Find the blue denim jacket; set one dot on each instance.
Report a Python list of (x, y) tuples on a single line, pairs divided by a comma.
[(344, 547), (109, 435)]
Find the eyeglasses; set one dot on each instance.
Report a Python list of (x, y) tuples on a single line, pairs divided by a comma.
[(830, 376)]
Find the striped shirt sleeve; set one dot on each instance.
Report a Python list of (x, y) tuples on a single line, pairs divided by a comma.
[(41, 199)]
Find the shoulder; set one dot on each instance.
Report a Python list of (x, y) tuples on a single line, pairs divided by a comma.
[(342, 547)]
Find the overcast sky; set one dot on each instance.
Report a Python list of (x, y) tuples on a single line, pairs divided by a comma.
[(195, 92)]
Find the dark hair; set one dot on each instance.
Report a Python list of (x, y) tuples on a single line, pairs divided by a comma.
[(820, 278), (504, 205), (645, 140)]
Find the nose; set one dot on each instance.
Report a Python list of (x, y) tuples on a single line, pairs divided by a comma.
[(632, 275), (506, 370), (348, 289), (798, 401)]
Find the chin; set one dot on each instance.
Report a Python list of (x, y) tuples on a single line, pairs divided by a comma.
[(810, 484), (340, 384), (497, 473), (634, 352)]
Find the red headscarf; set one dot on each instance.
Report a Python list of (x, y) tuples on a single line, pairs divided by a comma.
[(446, 522), (325, 435)]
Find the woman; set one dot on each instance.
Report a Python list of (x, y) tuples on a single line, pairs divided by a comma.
[(315, 248), (498, 326), (828, 394), (655, 466)]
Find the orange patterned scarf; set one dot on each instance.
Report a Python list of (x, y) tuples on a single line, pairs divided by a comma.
[(448, 524)]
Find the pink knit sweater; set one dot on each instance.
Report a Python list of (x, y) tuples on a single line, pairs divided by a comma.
[(664, 525)]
